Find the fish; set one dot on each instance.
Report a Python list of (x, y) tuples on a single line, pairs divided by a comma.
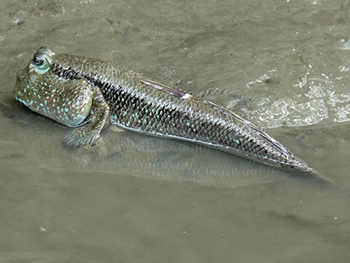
[(89, 94)]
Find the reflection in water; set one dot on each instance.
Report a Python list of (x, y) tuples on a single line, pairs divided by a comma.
[(155, 158)]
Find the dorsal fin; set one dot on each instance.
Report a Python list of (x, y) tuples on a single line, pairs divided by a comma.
[(251, 126), (178, 93)]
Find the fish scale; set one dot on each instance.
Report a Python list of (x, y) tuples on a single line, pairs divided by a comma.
[(108, 93)]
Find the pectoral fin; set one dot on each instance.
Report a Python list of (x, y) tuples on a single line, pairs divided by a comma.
[(88, 134)]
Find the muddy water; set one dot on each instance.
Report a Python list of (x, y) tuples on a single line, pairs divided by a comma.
[(284, 65)]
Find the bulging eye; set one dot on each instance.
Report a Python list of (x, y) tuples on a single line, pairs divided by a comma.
[(38, 59), (41, 63)]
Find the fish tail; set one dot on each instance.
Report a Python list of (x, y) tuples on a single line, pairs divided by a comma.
[(312, 173)]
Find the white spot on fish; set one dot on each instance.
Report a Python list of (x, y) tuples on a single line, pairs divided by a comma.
[(186, 96)]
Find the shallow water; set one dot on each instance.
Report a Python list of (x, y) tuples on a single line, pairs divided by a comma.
[(282, 64)]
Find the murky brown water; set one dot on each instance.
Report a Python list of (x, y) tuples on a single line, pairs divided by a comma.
[(283, 64)]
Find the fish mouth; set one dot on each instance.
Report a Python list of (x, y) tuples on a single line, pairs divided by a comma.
[(18, 90)]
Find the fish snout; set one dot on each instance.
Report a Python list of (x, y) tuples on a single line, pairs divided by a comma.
[(22, 89)]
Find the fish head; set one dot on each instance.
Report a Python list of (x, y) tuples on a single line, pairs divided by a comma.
[(65, 100)]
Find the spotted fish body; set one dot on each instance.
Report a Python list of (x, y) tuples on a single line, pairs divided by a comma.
[(92, 93)]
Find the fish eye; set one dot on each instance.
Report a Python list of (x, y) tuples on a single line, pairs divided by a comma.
[(38, 59), (40, 62)]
